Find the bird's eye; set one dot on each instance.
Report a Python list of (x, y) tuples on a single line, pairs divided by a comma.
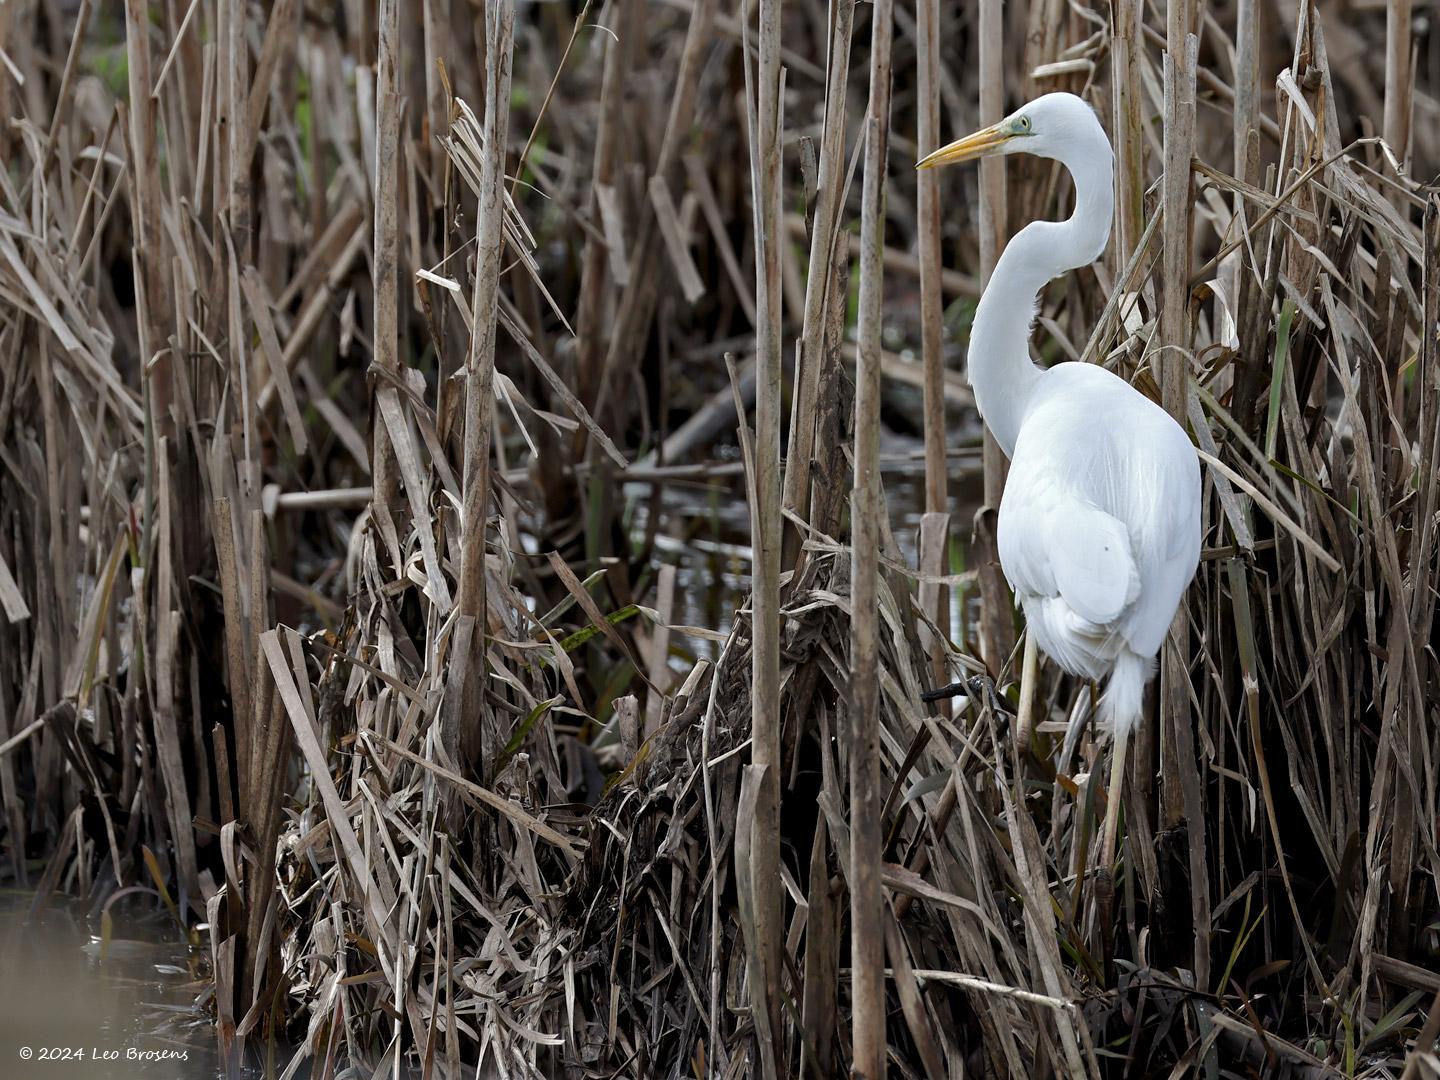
[(1024, 122)]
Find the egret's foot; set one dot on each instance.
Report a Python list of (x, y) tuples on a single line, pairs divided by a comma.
[(985, 686), (979, 686), (946, 692)]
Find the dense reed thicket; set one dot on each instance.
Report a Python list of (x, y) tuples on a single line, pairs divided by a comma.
[(353, 356)]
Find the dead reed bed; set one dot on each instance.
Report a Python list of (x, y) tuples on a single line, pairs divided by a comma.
[(362, 366)]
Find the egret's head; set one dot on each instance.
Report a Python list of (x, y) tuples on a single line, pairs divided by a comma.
[(1053, 126)]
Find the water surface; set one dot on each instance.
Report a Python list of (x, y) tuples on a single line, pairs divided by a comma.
[(73, 1004)]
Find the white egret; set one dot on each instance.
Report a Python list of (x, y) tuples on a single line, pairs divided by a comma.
[(1099, 525)]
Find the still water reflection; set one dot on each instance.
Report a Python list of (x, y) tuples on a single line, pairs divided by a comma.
[(75, 1006)]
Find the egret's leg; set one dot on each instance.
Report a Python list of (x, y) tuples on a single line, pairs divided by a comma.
[(1023, 721), (1112, 807)]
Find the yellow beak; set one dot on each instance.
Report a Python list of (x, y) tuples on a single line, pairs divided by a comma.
[(982, 143)]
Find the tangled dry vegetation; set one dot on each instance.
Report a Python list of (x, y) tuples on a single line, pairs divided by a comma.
[(346, 590)]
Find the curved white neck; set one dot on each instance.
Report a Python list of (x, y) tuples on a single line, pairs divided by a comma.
[(1001, 370)]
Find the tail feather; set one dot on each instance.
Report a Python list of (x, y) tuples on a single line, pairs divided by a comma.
[(1124, 697)]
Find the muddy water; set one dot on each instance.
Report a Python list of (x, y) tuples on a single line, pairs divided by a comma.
[(73, 1005)]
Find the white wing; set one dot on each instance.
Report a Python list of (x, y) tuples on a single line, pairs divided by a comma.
[(1054, 543), (1099, 530)]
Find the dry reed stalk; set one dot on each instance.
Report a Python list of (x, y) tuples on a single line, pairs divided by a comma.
[(1245, 155), (997, 634), (385, 235), (763, 847), (867, 910), (1399, 89), (435, 17), (8, 85), (1246, 111), (1128, 134), (672, 233), (1182, 784), (64, 96), (235, 66), (280, 29), (994, 217), (150, 254), (935, 526), (468, 716), (1179, 73), (825, 233), (603, 253)]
